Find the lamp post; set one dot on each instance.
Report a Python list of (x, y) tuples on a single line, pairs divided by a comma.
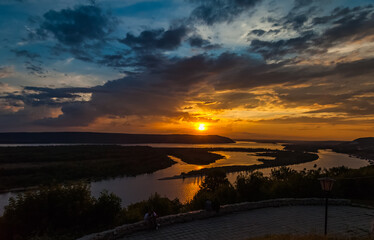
[(326, 185)]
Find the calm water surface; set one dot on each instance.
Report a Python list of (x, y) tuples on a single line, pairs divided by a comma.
[(135, 189)]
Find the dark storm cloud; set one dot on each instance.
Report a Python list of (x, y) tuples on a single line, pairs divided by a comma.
[(217, 11), (315, 120), (24, 118), (156, 93), (199, 42), (340, 13), (162, 91), (349, 28), (309, 96), (357, 107), (163, 88), (343, 25), (25, 53), (116, 60), (35, 68), (156, 39), (83, 31), (243, 72), (86, 52), (127, 62), (356, 68), (37, 96), (302, 3), (74, 114), (296, 19), (124, 97), (341, 92), (280, 48), (230, 100), (258, 32), (74, 27)]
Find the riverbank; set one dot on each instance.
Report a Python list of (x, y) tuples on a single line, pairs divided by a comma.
[(281, 158), (25, 167)]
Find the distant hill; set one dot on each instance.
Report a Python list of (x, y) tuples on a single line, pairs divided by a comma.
[(359, 144), (106, 138), (361, 147)]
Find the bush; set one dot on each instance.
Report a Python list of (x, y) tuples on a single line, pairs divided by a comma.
[(107, 210), (214, 180), (64, 211), (215, 188), (161, 205), (252, 187)]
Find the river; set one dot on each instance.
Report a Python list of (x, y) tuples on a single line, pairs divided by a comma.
[(135, 189)]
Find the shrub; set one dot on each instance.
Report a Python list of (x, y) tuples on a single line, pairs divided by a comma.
[(63, 211), (252, 187), (161, 205), (215, 188)]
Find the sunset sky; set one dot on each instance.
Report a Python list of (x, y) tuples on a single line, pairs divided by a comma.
[(260, 69)]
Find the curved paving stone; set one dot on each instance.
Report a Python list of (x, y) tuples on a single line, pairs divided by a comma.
[(343, 220)]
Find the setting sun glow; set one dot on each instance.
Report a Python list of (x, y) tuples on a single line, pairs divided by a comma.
[(201, 127)]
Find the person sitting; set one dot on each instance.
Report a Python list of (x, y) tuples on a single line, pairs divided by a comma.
[(150, 219)]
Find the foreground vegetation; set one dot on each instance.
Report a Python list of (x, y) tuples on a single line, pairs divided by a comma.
[(67, 212)]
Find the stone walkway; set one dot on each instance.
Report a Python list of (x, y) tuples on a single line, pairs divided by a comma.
[(343, 220)]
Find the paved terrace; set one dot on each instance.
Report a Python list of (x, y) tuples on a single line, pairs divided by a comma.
[(343, 220)]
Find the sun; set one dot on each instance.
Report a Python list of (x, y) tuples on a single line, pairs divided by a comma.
[(201, 127)]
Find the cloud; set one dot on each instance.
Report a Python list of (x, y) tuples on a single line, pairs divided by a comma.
[(315, 120), (339, 13), (25, 118), (352, 107), (187, 117), (177, 86), (217, 11), (33, 64), (198, 42), (6, 71), (35, 69), (77, 26), (53, 97), (351, 27), (258, 32), (156, 39), (302, 3), (341, 26), (25, 53), (281, 48), (165, 91), (356, 68)]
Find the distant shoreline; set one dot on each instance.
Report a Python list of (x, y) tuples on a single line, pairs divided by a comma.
[(106, 138)]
